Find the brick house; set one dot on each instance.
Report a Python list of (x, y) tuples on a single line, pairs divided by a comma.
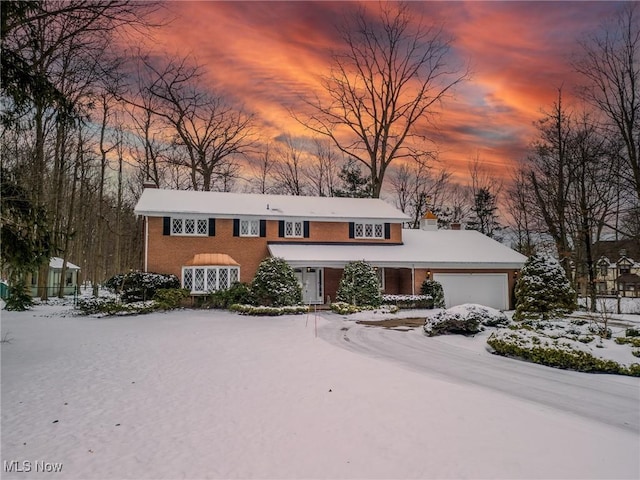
[(211, 239)]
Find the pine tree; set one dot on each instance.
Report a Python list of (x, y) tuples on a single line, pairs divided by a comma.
[(354, 183), (359, 285), (543, 290), (484, 209)]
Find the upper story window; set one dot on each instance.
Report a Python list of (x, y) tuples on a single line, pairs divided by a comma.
[(249, 228), (369, 230), (189, 226), (294, 229), (604, 270)]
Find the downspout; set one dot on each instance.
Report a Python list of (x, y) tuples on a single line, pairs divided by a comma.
[(146, 244)]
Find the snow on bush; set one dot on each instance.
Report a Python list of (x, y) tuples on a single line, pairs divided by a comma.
[(344, 308), (268, 311), (140, 286), (408, 301), (359, 285), (543, 290), (567, 345), (434, 290), (467, 319), (275, 284)]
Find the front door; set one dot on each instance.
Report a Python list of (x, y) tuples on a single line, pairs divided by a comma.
[(310, 279)]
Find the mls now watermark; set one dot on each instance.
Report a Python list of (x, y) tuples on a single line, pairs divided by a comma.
[(27, 466)]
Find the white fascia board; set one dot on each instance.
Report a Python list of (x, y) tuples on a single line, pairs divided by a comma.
[(268, 216)]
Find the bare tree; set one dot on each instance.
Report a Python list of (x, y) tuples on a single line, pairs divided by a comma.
[(550, 173), (207, 126), (289, 168), (610, 63), (417, 190), (383, 88), (262, 169), (321, 170)]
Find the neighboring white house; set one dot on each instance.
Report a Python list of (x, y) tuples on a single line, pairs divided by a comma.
[(53, 282)]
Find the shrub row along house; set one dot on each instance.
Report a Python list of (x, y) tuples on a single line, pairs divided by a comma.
[(211, 239)]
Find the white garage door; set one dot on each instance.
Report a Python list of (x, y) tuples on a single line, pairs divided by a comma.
[(489, 289)]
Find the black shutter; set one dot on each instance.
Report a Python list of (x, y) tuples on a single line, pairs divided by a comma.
[(212, 227), (236, 227), (281, 228), (305, 227), (352, 230), (166, 226), (387, 231), (263, 228)]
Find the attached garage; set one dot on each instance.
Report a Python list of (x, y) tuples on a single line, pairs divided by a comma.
[(488, 289)]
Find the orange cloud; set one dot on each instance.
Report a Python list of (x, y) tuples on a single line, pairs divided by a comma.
[(268, 55)]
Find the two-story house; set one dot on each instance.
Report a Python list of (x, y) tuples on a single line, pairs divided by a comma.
[(211, 239)]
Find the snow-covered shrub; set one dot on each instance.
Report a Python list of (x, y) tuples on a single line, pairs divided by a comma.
[(275, 284), (434, 290), (170, 298), (111, 306), (467, 319), (554, 352), (269, 311), (140, 286), (359, 285), (632, 332), (408, 301), (543, 290)]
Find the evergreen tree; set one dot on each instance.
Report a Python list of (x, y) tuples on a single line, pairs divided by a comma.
[(543, 290), (354, 183), (435, 291), (26, 242), (275, 284), (359, 285), (485, 217)]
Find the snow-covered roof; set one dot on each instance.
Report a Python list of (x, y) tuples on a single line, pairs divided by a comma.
[(56, 262), (156, 202), (420, 248)]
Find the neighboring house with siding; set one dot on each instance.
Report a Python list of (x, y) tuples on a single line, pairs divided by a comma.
[(69, 282), (211, 239)]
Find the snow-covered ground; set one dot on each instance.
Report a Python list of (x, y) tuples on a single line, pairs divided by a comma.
[(210, 394)]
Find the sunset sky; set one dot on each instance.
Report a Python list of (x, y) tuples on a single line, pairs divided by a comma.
[(268, 54)]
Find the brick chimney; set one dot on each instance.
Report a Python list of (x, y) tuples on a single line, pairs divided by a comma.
[(456, 226), (149, 184)]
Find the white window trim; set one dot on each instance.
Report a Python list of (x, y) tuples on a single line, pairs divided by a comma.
[(299, 224), (209, 288), (373, 230), (249, 222), (195, 233)]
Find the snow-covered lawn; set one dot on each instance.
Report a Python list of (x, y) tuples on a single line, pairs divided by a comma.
[(210, 394)]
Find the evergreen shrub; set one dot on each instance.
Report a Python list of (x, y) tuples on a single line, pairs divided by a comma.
[(170, 298), (359, 285), (140, 286), (237, 293), (275, 284), (18, 300), (543, 291), (433, 289)]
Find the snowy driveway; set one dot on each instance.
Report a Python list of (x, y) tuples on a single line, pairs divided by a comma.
[(611, 399)]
